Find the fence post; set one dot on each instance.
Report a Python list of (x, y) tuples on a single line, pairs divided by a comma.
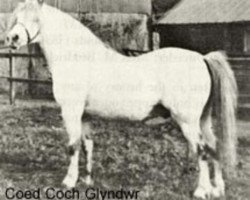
[(30, 66), (11, 82), (150, 33)]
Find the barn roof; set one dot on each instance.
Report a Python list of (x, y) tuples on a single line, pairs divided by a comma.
[(207, 11), (91, 6)]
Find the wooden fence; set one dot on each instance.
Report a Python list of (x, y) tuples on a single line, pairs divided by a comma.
[(11, 79)]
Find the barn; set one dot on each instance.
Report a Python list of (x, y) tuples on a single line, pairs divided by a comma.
[(122, 24), (211, 25)]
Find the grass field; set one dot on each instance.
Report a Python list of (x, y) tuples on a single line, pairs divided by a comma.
[(126, 155)]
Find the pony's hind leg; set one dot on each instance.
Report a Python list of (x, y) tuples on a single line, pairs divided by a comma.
[(72, 117), (210, 139), (87, 145), (219, 189), (192, 133)]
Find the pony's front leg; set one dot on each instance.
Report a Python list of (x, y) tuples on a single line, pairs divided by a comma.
[(87, 145), (72, 115)]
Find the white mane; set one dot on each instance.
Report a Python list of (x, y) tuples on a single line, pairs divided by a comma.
[(62, 30)]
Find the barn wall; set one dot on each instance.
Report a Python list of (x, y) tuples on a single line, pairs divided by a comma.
[(209, 38), (90, 6), (236, 39), (117, 6), (199, 38)]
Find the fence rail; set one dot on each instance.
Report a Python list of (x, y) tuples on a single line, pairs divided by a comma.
[(21, 55), (11, 57)]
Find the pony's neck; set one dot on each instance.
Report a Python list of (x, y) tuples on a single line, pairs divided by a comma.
[(61, 35)]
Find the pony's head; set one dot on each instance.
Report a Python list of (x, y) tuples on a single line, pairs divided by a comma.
[(26, 26)]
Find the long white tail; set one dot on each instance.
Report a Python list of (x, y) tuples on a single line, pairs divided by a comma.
[(224, 95)]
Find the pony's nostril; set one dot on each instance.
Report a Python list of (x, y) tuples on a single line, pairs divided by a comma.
[(15, 38)]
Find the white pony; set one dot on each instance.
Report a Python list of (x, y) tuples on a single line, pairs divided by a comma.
[(90, 78)]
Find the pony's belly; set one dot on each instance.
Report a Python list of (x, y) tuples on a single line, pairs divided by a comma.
[(133, 109), (122, 91)]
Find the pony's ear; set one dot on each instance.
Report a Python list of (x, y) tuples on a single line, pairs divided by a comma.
[(35, 1), (40, 1)]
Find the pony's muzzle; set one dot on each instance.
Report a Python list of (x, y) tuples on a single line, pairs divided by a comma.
[(15, 38), (12, 41)]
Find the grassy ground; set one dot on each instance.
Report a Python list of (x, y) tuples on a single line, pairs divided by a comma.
[(127, 155)]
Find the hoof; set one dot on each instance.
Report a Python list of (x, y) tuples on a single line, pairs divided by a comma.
[(218, 192), (214, 192), (219, 189), (69, 182), (202, 193), (88, 180)]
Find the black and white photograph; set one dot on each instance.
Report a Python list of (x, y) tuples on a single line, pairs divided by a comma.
[(125, 99)]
